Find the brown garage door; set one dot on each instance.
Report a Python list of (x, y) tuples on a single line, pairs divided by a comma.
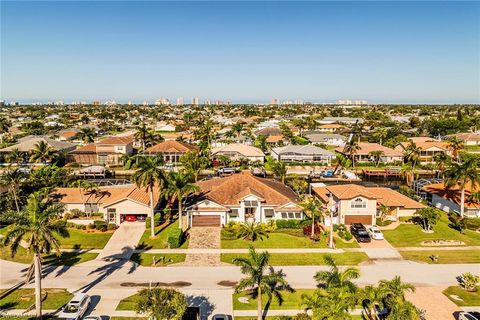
[(205, 221), (358, 219)]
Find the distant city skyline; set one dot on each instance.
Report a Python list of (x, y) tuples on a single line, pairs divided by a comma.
[(243, 52)]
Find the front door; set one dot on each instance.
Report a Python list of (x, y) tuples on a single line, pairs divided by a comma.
[(111, 215)]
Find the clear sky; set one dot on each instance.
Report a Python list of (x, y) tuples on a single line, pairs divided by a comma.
[(407, 52)]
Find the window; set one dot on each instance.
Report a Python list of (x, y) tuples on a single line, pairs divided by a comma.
[(298, 215), (284, 215), (291, 215), (251, 203), (91, 208), (102, 158), (234, 213), (358, 204), (250, 211), (268, 213)]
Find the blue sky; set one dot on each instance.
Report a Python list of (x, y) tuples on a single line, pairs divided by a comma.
[(406, 52)]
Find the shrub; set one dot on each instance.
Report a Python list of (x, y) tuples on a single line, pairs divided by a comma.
[(175, 238), (348, 236), (472, 223), (157, 219), (67, 216), (77, 213), (230, 231), (102, 227), (335, 227), (381, 223), (307, 230), (292, 224), (469, 281), (112, 226)]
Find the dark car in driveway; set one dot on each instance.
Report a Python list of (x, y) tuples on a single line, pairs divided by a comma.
[(360, 233)]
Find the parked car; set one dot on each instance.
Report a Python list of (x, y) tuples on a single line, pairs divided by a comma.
[(141, 218), (472, 315), (375, 233), (131, 218), (360, 233), (76, 308), (92, 317), (221, 317)]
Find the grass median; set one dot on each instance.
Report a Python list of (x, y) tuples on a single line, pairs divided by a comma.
[(160, 259), (24, 298), (444, 256), (462, 297), (304, 259)]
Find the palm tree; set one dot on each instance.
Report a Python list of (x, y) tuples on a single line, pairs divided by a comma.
[(280, 170), (16, 156), (351, 149), (442, 160), (251, 230), (409, 173), (371, 296), (179, 186), (394, 290), (412, 153), (377, 156), (194, 163), (141, 134), (463, 174), (87, 135), (237, 129), (384, 211), (129, 161), (42, 152), (455, 145), (149, 175), (404, 310), (258, 281), (337, 278), (312, 207), (329, 304), (380, 134), (12, 179), (37, 225), (5, 124)]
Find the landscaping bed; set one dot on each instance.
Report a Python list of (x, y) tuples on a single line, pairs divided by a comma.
[(24, 298), (304, 259), (467, 298), (444, 256)]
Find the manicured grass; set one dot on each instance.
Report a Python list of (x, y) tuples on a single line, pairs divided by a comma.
[(24, 298), (291, 301), (411, 235), (304, 259), (469, 298), (444, 256), (146, 259), (65, 258), (354, 317), (160, 241), (85, 240), (128, 303)]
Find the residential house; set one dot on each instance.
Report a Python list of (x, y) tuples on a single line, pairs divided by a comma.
[(68, 134), (242, 197), (468, 138), (238, 151), (27, 144), (114, 202), (170, 150), (447, 198), (330, 128), (429, 147), (358, 204), (302, 153), (347, 120), (108, 151), (329, 139), (363, 154), (165, 127)]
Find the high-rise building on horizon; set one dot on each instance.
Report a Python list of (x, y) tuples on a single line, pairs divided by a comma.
[(274, 101), (195, 101), (180, 101), (162, 102)]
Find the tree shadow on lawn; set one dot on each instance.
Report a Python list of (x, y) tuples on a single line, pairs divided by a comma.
[(62, 262)]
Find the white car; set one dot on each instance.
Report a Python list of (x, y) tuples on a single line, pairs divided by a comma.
[(92, 317), (469, 316), (76, 308), (375, 233)]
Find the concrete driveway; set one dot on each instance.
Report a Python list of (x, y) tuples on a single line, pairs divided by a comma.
[(123, 241)]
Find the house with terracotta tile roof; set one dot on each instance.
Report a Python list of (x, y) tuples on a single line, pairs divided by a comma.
[(358, 204), (114, 202), (429, 147), (242, 197), (365, 148), (468, 138), (108, 151), (448, 198), (170, 150)]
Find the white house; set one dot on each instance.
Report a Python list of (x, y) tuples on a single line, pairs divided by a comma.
[(302, 153), (238, 151)]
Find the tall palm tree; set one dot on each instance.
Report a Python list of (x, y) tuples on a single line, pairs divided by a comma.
[(351, 149), (141, 134), (412, 153), (178, 187), (442, 160), (16, 156), (194, 163), (87, 135), (258, 280), (455, 145), (312, 207), (462, 174), (37, 225), (12, 179), (42, 152), (280, 170), (337, 278), (5, 124), (149, 175), (380, 133), (377, 156), (237, 129)]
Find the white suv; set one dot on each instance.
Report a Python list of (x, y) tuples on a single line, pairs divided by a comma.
[(76, 308)]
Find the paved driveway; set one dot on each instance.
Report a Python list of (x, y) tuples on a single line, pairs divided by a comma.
[(123, 241), (434, 302), (380, 251)]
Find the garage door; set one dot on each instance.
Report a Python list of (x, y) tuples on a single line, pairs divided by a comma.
[(367, 219), (205, 221)]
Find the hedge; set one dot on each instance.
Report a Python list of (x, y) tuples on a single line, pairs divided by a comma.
[(156, 218), (175, 238), (292, 224)]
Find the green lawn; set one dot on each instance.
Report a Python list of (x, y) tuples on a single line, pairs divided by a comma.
[(304, 259), (146, 259), (128, 303), (85, 240), (411, 235), (160, 241), (291, 301), (444, 256), (22, 255), (283, 240), (469, 298), (24, 298)]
